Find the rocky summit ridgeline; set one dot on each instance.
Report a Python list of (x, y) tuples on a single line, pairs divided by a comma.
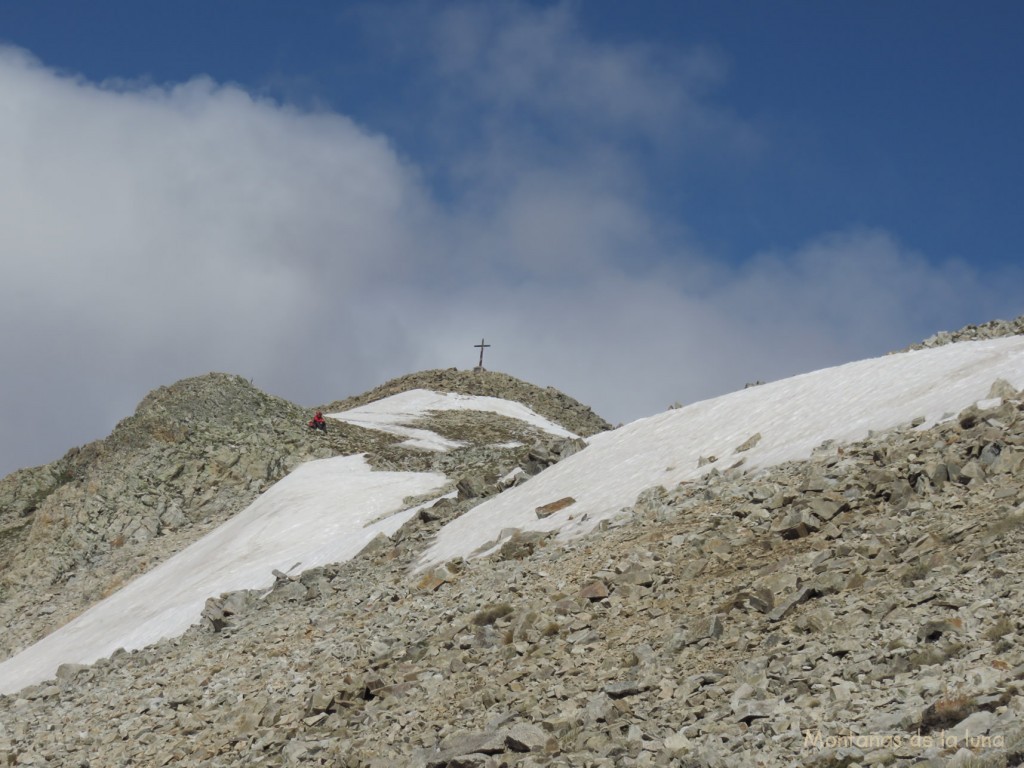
[(547, 401), (993, 329), (194, 454), (861, 607)]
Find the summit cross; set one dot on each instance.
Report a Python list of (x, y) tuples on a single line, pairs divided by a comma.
[(481, 345)]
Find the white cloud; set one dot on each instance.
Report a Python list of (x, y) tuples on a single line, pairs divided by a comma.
[(517, 58), (632, 344), (167, 231), (154, 232)]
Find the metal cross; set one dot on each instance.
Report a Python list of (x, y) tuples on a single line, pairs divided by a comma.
[(481, 345)]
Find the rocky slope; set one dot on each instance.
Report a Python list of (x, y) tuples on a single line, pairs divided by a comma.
[(859, 608), (993, 329), (191, 456)]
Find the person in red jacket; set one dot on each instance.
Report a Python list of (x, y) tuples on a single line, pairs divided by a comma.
[(318, 423)]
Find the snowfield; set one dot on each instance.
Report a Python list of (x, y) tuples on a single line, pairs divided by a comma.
[(327, 510), (792, 416), (394, 415)]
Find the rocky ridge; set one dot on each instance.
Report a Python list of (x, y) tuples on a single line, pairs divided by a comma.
[(994, 329), (547, 401), (859, 608), (190, 457)]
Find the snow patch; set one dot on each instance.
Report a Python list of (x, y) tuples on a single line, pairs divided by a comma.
[(328, 510), (394, 414), (325, 511), (793, 417)]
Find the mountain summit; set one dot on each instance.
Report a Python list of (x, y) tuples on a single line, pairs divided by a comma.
[(821, 570), (193, 455), (547, 401)]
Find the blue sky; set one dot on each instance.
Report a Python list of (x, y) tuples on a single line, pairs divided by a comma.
[(638, 204)]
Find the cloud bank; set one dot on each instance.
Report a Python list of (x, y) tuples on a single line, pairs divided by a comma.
[(153, 232)]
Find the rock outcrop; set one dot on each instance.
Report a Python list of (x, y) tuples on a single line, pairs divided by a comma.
[(994, 329)]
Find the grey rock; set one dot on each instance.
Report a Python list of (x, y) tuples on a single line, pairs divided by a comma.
[(594, 590), (66, 672), (546, 510), (796, 524), (465, 742), (749, 443), (783, 609), (704, 628), (1003, 389), (525, 737), (624, 688), (472, 487)]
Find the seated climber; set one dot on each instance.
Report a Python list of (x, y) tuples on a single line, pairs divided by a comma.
[(318, 422)]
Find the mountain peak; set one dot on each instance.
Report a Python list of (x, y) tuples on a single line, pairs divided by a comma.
[(546, 401), (700, 575), (198, 451)]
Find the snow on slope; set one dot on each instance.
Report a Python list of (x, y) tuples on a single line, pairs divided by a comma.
[(325, 511), (793, 416), (393, 415)]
